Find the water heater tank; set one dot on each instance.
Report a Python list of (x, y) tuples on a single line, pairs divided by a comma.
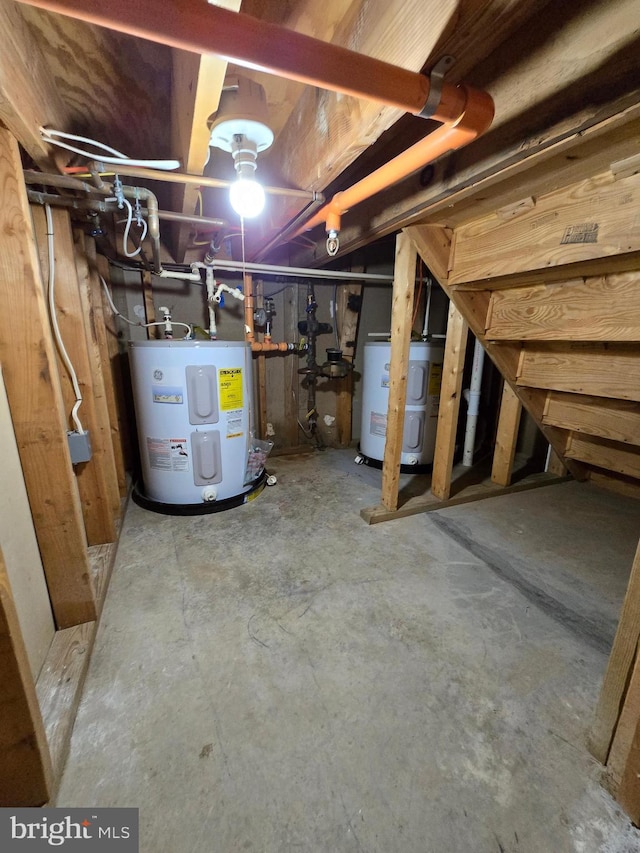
[(421, 409), (193, 404)]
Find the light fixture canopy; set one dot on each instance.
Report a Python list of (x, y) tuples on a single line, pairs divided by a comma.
[(240, 128)]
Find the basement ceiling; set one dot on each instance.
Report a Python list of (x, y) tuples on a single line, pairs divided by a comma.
[(545, 66)]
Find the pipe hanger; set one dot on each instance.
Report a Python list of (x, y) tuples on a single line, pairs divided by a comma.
[(249, 42)]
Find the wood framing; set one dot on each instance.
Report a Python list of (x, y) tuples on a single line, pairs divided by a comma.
[(592, 369), (452, 372), (586, 221), (37, 407), (401, 316), (92, 476), (27, 775), (95, 335), (506, 437), (346, 320)]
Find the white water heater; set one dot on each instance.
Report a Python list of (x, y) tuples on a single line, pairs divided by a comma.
[(193, 404), (421, 409)]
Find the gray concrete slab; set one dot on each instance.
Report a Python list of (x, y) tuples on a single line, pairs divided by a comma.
[(282, 677)]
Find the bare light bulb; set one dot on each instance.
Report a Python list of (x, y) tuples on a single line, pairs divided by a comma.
[(247, 197)]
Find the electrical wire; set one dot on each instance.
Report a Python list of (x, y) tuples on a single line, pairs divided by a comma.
[(54, 137), (54, 322), (134, 322)]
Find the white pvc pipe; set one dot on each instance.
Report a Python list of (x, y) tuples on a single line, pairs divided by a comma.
[(474, 404), (299, 272)]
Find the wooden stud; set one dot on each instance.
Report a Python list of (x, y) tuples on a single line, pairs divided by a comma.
[(95, 295), (149, 307), (623, 768), (26, 775), (506, 437), (555, 464), (98, 362), (37, 407), (401, 313), (118, 373), (619, 668), (91, 476), (289, 368), (452, 371)]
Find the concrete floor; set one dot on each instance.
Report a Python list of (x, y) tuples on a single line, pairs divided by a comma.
[(282, 677)]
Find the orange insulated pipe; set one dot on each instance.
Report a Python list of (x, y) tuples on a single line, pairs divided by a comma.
[(199, 27), (475, 117)]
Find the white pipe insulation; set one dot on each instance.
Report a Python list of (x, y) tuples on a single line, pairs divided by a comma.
[(473, 400)]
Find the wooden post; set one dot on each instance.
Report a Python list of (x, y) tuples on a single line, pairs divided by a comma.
[(346, 320), (37, 407), (506, 437), (401, 312), (621, 661), (26, 775), (149, 307), (452, 370), (90, 476), (624, 760), (556, 465)]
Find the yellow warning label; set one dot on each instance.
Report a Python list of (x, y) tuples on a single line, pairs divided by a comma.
[(435, 380), (230, 385)]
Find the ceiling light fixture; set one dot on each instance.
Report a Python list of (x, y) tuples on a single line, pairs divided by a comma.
[(240, 128)]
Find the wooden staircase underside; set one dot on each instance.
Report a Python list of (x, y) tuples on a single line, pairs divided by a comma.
[(551, 288)]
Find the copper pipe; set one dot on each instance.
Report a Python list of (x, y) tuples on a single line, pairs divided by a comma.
[(184, 178), (250, 335), (202, 28), (474, 119)]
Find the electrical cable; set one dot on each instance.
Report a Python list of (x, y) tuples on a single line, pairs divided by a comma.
[(54, 322), (54, 137), (134, 322)]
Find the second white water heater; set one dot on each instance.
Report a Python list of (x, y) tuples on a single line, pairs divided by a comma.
[(193, 403), (424, 379)]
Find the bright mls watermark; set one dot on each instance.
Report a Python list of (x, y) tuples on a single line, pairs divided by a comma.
[(104, 830)]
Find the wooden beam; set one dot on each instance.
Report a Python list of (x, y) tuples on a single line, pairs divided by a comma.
[(452, 371), (586, 221), (26, 774), (603, 308), (616, 420), (327, 131), (621, 661), (91, 476), (37, 407), (506, 437), (600, 370), (196, 84), (401, 314), (29, 96)]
